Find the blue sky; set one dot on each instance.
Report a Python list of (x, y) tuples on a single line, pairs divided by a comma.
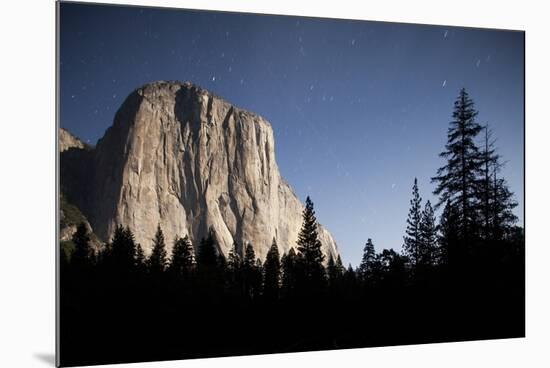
[(359, 109)]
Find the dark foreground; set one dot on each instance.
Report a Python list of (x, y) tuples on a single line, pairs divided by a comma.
[(116, 321)]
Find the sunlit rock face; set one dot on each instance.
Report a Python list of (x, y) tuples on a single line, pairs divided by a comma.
[(183, 158), (67, 141)]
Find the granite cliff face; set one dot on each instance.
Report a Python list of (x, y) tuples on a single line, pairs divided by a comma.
[(67, 141), (183, 158)]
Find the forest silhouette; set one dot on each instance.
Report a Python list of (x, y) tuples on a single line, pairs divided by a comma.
[(458, 277)]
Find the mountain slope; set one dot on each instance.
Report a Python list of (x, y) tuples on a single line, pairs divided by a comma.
[(73, 152)]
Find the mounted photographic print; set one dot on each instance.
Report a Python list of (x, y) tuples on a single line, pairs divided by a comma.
[(237, 184)]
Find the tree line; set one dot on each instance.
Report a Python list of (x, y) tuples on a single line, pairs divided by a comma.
[(239, 273), (477, 215), (473, 254)]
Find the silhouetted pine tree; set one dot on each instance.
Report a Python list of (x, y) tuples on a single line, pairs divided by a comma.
[(367, 268), (182, 259), (249, 257), (272, 272), (339, 266), (309, 247), (428, 237), (157, 260), (411, 246), (122, 252), (207, 255), (503, 203), (457, 180), (335, 270), (83, 255), (211, 267), (251, 274), (496, 201)]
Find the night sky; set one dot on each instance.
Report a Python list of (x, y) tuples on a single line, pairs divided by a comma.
[(358, 108)]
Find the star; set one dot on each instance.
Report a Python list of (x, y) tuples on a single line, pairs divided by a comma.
[(353, 42), (213, 78), (444, 83), (446, 33)]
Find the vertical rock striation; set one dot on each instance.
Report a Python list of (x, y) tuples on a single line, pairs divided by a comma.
[(179, 156)]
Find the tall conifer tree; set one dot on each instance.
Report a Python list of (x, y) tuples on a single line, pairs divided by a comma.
[(411, 246), (82, 256), (182, 259), (207, 255), (367, 267), (251, 273), (309, 246), (457, 181), (122, 251), (272, 272), (503, 217), (158, 259)]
